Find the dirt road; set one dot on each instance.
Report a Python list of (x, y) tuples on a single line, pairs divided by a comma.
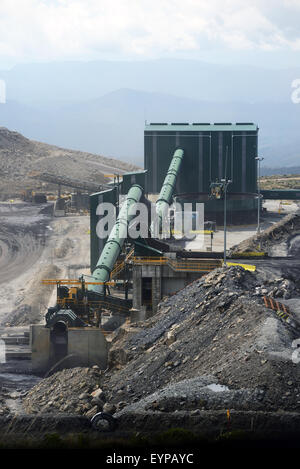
[(35, 246)]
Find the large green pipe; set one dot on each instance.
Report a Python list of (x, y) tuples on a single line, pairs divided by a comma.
[(165, 195), (115, 241)]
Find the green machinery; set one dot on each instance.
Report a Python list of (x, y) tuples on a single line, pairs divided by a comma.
[(167, 190), (73, 335), (114, 244), (80, 304), (210, 151)]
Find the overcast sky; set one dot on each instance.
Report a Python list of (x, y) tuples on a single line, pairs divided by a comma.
[(259, 31)]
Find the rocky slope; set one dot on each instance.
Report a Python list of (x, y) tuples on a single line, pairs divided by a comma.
[(277, 239), (20, 157), (213, 345)]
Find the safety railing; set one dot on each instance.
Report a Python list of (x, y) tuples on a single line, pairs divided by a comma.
[(121, 265), (93, 304), (194, 266), (281, 309), (118, 268), (205, 265)]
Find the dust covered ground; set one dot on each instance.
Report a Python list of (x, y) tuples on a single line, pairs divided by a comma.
[(35, 246)]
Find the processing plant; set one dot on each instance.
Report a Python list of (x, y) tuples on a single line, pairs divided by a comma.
[(195, 163)]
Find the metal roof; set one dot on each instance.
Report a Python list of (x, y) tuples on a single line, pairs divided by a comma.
[(202, 127), (133, 173)]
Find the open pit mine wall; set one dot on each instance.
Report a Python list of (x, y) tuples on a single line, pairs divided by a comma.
[(166, 192), (115, 241)]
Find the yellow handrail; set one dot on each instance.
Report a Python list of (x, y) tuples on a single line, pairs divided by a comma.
[(119, 267), (204, 265), (251, 268)]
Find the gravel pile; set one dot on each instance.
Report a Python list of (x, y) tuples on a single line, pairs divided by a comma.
[(279, 235), (4, 409), (219, 327), (278, 288), (213, 345)]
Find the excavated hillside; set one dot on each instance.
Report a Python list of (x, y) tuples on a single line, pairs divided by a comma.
[(19, 157), (214, 345)]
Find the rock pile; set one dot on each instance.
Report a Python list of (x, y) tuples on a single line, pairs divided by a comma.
[(277, 234), (213, 345), (278, 288), (4, 410), (219, 327), (74, 391)]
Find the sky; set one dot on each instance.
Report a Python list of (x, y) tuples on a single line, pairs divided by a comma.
[(260, 31)]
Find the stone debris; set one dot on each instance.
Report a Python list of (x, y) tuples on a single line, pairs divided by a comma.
[(281, 233), (224, 349), (224, 331), (4, 409), (73, 391)]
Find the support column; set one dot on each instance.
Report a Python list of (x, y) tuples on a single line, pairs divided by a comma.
[(156, 288), (137, 287)]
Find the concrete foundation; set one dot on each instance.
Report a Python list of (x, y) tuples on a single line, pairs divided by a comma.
[(80, 347), (151, 283)]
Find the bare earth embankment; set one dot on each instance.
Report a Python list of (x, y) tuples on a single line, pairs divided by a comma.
[(20, 157)]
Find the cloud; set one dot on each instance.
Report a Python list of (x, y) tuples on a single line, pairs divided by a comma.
[(33, 30)]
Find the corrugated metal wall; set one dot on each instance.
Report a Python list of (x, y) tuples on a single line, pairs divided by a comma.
[(96, 243), (204, 160), (138, 177)]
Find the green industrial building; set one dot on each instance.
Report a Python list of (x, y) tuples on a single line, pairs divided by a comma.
[(211, 152)]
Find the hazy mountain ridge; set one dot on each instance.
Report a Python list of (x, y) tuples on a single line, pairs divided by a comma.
[(101, 107), (114, 124), (80, 81), (280, 171)]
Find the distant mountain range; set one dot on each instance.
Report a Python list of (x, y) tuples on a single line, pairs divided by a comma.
[(101, 107), (81, 81), (280, 171)]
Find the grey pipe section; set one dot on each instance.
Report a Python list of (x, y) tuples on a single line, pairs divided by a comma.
[(115, 241)]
